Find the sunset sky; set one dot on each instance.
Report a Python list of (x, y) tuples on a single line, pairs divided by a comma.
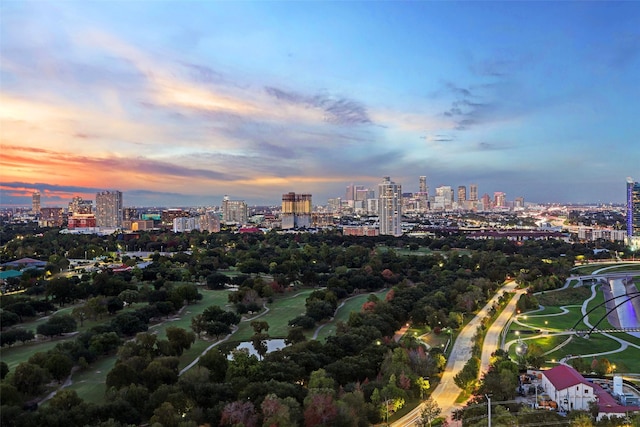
[(179, 103)]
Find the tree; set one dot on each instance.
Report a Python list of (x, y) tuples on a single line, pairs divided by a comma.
[(295, 336), (429, 412), (4, 369), (216, 363), (129, 296), (29, 378), (8, 318), (424, 385), (57, 325), (320, 409), (65, 400), (166, 415), (259, 326), (59, 365), (80, 313), (276, 412), (582, 420), (239, 414), (259, 342), (466, 379), (179, 339)]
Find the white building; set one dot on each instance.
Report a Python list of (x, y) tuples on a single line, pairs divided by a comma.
[(572, 392), (390, 207)]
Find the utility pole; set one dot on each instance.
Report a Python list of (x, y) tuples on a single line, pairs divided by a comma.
[(488, 409)]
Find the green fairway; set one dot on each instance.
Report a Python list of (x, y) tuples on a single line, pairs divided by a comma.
[(90, 383), (19, 353), (352, 304), (280, 312)]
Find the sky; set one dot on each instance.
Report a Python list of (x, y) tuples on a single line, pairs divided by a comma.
[(181, 103)]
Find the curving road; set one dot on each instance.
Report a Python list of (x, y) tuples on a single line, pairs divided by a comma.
[(447, 391)]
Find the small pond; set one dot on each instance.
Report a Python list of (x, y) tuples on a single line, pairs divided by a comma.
[(272, 345)]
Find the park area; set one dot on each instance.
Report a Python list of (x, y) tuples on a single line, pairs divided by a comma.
[(90, 381), (558, 329)]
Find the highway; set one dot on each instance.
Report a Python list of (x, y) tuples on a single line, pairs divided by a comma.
[(447, 391)]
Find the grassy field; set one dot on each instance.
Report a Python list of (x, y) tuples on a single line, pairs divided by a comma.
[(280, 312), (549, 319), (90, 383), (353, 304), (569, 296)]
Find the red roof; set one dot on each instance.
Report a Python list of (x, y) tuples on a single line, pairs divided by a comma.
[(249, 230), (563, 376)]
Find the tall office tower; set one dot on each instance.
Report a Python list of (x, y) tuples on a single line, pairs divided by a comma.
[(423, 185), (109, 209), (486, 202), (296, 210), (443, 198), (334, 205), (234, 211), (390, 207), (423, 195), (518, 202), (462, 194), (35, 202), (499, 199), (633, 208), (352, 190), (473, 192)]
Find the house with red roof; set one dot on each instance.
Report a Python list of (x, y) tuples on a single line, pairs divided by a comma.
[(572, 392)]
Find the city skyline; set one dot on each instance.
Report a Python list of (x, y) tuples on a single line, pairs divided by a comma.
[(179, 104)]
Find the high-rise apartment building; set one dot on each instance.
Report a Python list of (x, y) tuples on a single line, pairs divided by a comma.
[(462, 194), (443, 200), (234, 211), (499, 199), (351, 192), (422, 187), (334, 205), (210, 221), (390, 207), (35, 203), (633, 208), (296, 210), (109, 209), (51, 217), (423, 195), (78, 205), (473, 192)]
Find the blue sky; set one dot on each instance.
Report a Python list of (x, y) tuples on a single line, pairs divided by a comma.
[(180, 103)]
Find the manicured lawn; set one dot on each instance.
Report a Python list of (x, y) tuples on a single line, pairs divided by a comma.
[(90, 383), (353, 304), (596, 343), (569, 296), (280, 312), (19, 353)]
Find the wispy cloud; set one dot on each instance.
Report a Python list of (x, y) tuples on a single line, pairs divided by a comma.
[(336, 109)]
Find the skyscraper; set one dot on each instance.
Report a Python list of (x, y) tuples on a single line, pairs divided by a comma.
[(390, 207), (423, 185), (296, 210), (109, 209), (234, 211), (473, 192), (462, 194), (633, 208), (35, 202), (423, 194), (499, 199)]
